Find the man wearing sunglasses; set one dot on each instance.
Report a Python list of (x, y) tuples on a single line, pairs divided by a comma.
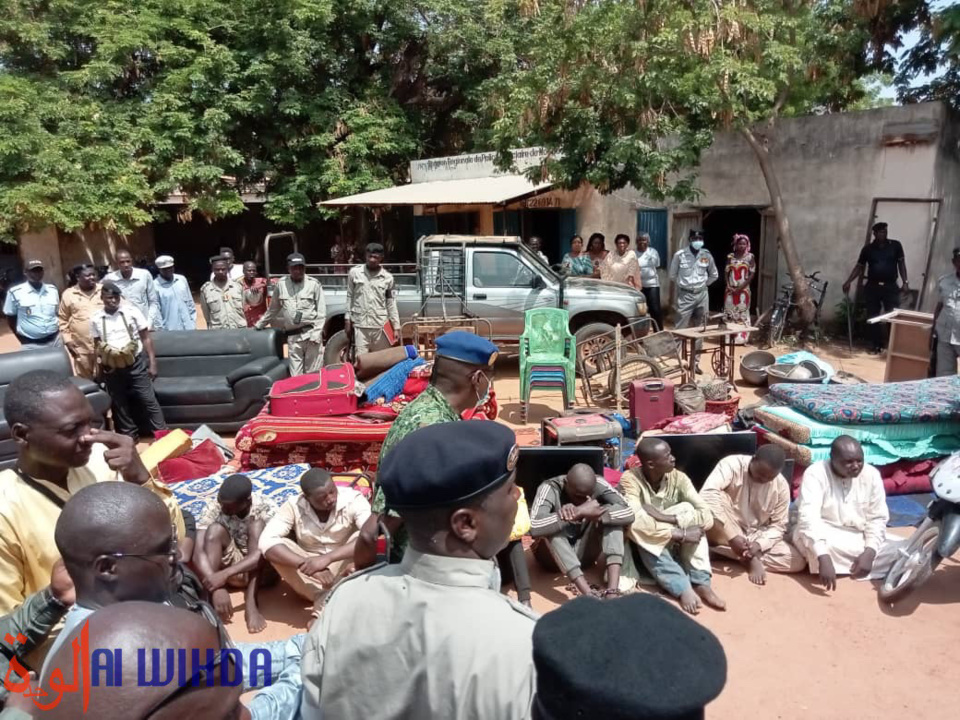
[(461, 382)]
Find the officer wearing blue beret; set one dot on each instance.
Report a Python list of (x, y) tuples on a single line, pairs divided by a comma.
[(432, 638), (668, 666), (461, 381)]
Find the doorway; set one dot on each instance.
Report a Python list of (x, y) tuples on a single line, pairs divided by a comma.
[(719, 227), (553, 227)]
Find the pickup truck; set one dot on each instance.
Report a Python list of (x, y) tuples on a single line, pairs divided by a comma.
[(494, 278)]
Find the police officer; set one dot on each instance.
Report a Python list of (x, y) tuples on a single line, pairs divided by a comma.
[(371, 303), (691, 271), (298, 303), (455, 486), (221, 299), (635, 658), (31, 310)]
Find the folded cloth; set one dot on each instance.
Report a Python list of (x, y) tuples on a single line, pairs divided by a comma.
[(699, 422), (203, 460)]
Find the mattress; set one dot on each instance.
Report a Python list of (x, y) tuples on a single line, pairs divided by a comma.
[(918, 401), (788, 423)]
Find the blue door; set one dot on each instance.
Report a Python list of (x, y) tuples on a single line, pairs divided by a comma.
[(512, 225), (654, 223), (568, 227)]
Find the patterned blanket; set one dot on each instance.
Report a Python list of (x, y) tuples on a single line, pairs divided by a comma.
[(276, 483), (918, 401)]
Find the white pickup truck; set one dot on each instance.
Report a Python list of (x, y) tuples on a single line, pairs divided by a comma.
[(493, 278)]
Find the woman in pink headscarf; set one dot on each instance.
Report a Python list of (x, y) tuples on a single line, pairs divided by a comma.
[(741, 267)]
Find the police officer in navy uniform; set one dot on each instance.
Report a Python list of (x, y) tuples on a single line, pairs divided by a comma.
[(431, 636), (634, 658), (31, 310)]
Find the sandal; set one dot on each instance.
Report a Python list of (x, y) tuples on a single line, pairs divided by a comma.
[(610, 593)]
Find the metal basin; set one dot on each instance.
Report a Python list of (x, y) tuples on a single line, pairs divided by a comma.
[(805, 373), (753, 366)]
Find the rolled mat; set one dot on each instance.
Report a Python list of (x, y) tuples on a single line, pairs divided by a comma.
[(369, 365)]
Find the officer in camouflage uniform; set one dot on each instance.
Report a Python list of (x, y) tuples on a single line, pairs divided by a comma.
[(371, 303), (461, 380), (221, 299), (298, 303)]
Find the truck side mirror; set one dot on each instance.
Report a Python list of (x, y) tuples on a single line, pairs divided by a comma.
[(537, 283)]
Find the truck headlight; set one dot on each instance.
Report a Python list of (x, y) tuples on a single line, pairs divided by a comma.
[(641, 307)]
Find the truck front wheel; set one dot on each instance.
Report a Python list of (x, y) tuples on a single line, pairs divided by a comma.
[(335, 351), (592, 338)]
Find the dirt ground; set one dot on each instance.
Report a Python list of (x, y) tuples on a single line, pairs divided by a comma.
[(793, 650)]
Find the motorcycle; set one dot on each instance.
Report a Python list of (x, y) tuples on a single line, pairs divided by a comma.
[(936, 538)]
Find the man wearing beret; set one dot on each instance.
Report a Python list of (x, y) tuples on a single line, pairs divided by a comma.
[(462, 379), (668, 666), (429, 636)]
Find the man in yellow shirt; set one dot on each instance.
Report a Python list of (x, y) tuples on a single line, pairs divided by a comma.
[(58, 453)]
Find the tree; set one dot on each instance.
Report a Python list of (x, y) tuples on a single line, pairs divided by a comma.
[(931, 68), (630, 91), (105, 107)]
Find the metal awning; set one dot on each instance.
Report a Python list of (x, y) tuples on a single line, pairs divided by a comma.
[(473, 191)]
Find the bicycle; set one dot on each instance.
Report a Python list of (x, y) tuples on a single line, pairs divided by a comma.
[(785, 306)]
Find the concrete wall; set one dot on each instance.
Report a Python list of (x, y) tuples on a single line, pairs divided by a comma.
[(43, 245), (948, 187), (830, 169)]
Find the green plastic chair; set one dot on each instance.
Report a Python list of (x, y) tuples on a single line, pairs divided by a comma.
[(547, 347)]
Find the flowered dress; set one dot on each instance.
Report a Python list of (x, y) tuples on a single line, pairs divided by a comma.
[(736, 300), (580, 265)]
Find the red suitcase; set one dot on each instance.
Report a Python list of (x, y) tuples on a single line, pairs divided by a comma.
[(332, 391), (651, 401)]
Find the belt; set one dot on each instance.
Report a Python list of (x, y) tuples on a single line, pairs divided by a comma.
[(881, 283), (24, 340)]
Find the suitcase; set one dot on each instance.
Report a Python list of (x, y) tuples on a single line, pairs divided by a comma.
[(651, 401), (332, 391), (592, 429)]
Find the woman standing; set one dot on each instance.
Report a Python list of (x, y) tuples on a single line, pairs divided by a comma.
[(649, 260), (577, 262), (596, 252), (621, 265), (741, 267)]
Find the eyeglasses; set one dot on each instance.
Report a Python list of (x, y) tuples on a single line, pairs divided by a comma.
[(172, 555)]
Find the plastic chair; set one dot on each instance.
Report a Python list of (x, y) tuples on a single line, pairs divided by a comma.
[(547, 356)]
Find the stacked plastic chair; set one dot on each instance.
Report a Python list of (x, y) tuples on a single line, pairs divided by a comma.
[(547, 356)]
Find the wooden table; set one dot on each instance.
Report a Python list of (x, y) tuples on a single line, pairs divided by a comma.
[(723, 355)]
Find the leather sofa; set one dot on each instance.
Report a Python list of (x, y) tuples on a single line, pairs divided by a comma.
[(14, 364), (218, 378)]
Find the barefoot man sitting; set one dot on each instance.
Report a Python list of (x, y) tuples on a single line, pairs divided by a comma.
[(669, 531), (750, 502), (843, 516), (228, 553)]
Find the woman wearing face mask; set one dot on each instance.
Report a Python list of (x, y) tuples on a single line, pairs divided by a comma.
[(596, 252), (621, 265), (741, 267), (577, 262)]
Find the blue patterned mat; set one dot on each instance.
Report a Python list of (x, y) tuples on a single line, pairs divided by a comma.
[(277, 483)]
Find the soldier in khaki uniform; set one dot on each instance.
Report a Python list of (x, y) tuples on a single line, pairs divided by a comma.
[(221, 299), (298, 301), (459, 508), (371, 303)]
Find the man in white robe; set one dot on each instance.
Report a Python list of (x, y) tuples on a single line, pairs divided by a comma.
[(843, 516)]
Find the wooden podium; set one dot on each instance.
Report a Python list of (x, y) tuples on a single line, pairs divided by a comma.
[(908, 352)]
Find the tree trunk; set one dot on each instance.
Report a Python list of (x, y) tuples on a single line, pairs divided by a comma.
[(800, 287)]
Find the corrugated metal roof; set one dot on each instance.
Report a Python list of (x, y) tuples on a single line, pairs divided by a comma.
[(472, 191)]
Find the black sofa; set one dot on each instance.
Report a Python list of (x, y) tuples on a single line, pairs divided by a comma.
[(218, 378), (14, 364)]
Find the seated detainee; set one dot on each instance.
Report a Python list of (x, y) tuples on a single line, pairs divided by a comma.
[(325, 520), (228, 553), (842, 515), (575, 518), (669, 530), (750, 502)]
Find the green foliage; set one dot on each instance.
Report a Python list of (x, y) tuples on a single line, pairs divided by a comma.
[(107, 106), (931, 69), (628, 91)]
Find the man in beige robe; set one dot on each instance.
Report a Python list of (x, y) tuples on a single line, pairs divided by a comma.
[(843, 516), (750, 502)]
